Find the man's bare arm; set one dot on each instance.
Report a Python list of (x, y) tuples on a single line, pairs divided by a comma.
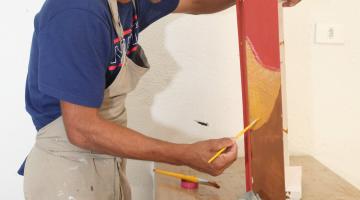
[(213, 6), (203, 6), (86, 129)]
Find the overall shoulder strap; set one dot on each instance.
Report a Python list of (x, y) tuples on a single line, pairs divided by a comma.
[(134, 3), (115, 18), (118, 27)]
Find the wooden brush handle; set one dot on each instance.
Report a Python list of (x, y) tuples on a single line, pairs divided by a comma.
[(177, 175)]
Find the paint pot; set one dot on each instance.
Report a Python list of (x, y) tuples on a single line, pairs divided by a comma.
[(189, 185)]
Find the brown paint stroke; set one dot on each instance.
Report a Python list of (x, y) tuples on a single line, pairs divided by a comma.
[(268, 157)]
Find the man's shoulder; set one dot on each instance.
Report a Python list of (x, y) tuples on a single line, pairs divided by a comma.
[(52, 8)]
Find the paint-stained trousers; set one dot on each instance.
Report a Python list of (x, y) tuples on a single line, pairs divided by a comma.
[(57, 170)]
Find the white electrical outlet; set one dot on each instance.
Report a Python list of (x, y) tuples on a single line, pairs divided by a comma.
[(326, 33)]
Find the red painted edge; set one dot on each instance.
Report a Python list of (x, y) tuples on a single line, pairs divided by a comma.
[(244, 83), (262, 31)]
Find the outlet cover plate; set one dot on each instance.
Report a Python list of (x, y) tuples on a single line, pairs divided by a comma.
[(328, 33)]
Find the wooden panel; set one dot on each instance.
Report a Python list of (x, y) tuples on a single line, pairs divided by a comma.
[(258, 22), (319, 183)]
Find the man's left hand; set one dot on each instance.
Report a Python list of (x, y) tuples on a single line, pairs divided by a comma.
[(290, 3)]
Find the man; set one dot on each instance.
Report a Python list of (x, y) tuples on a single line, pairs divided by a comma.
[(84, 60)]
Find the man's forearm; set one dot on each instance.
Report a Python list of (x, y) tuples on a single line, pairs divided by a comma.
[(86, 129), (203, 6), (106, 137)]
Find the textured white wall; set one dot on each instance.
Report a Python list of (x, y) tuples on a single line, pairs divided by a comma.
[(336, 96), (298, 74), (323, 86), (195, 75)]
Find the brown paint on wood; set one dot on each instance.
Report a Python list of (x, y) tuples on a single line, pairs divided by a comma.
[(268, 157), (267, 148)]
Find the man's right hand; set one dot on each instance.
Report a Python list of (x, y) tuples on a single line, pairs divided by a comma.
[(198, 154)]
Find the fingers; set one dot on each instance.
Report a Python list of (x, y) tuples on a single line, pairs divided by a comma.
[(221, 143), (290, 3), (286, 4), (231, 152), (230, 156), (225, 160), (205, 149)]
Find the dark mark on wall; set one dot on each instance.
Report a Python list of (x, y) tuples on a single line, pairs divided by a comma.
[(202, 123)]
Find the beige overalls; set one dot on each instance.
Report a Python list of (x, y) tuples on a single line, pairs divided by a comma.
[(58, 170)]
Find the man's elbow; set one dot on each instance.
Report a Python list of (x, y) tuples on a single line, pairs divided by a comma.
[(77, 137), (78, 122)]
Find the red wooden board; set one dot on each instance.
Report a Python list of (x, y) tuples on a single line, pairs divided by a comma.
[(258, 23)]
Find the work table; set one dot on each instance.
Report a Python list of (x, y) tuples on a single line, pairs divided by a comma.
[(318, 183)]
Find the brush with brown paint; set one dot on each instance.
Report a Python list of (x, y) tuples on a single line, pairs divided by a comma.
[(187, 178)]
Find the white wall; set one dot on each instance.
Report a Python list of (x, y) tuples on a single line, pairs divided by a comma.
[(323, 86), (17, 131), (195, 76)]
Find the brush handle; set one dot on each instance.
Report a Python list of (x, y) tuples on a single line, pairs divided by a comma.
[(217, 155), (177, 175), (246, 129), (236, 137)]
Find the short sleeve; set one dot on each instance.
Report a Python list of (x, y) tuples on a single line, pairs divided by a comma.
[(74, 48), (150, 12)]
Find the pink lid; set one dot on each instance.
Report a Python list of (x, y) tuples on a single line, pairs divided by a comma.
[(189, 185)]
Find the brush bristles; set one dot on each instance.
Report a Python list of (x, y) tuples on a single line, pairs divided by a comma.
[(215, 185), (212, 184)]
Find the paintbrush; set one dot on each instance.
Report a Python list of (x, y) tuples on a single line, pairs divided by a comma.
[(236, 137), (188, 178)]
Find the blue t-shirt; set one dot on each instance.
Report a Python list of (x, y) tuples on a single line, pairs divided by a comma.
[(75, 52)]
